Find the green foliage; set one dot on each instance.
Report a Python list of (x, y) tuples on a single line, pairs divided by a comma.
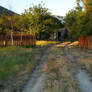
[(3, 23), (37, 15), (22, 23), (29, 46), (41, 21), (78, 22), (7, 22)]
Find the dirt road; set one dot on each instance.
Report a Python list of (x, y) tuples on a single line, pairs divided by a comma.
[(36, 81), (58, 71), (85, 83)]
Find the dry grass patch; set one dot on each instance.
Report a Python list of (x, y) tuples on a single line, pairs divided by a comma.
[(46, 43), (59, 77), (83, 58)]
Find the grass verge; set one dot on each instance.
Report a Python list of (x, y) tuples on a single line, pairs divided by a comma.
[(16, 59)]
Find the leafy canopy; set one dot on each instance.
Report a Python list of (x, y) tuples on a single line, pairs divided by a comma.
[(79, 22)]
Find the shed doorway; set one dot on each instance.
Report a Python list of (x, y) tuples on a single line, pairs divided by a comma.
[(59, 35)]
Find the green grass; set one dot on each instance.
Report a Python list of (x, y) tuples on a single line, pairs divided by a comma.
[(16, 59)]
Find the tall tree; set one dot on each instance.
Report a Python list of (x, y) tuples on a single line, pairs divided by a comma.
[(3, 23), (79, 22), (41, 21), (37, 15), (22, 24)]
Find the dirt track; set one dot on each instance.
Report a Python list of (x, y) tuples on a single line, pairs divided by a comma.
[(36, 81), (51, 74), (85, 83)]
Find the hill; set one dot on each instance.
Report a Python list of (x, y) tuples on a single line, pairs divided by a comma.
[(8, 12)]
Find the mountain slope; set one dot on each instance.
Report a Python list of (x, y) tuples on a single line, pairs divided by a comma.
[(8, 12)]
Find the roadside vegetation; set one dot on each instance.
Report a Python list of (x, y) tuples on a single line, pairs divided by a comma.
[(14, 60)]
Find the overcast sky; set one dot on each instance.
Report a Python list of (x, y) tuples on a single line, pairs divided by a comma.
[(57, 7)]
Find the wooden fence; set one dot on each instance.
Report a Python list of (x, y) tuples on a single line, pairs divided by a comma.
[(85, 42), (18, 39)]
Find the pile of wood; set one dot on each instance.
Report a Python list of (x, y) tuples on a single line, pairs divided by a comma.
[(85, 42), (18, 39)]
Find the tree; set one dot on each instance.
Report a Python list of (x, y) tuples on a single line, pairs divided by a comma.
[(70, 19), (3, 23), (4, 26), (22, 24), (37, 15), (12, 26), (41, 21), (8, 25), (78, 22)]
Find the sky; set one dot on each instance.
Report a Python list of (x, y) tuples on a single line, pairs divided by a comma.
[(56, 7)]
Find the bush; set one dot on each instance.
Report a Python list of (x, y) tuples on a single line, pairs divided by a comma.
[(29, 46)]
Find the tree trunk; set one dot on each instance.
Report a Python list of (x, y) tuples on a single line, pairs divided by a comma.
[(21, 39), (12, 32), (11, 37), (88, 5)]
